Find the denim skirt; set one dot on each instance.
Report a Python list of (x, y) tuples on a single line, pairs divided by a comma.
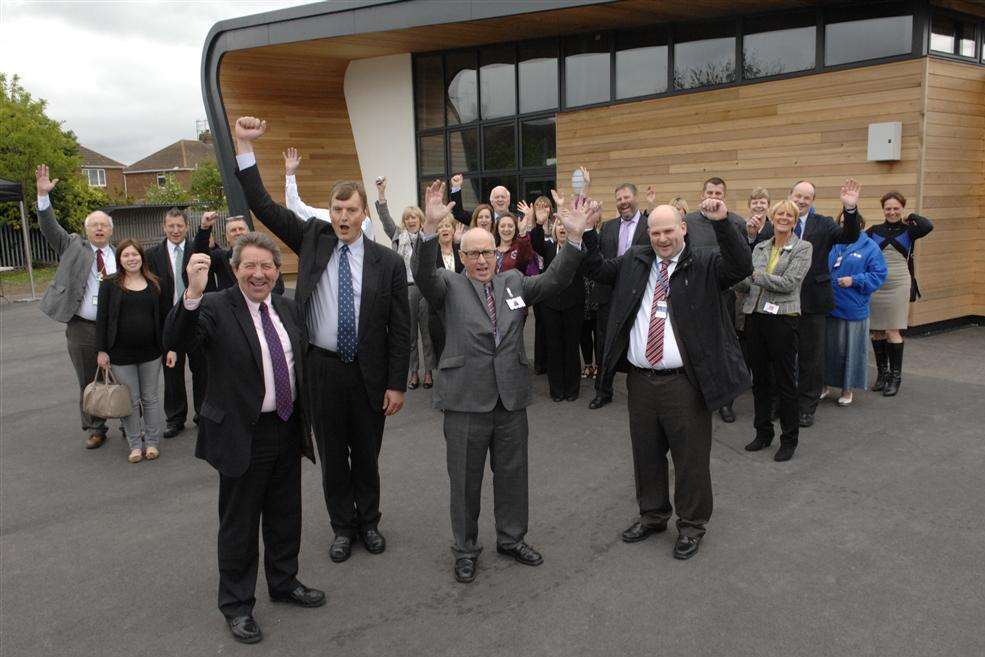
[(846, 353)]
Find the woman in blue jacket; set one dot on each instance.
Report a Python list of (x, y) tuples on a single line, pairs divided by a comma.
[(857, 270)]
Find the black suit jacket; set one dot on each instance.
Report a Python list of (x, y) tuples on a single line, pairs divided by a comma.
[(702, 325), (159, 262), (383, 348), (221, 273), (816, 295), (574, 294), (108, 314), (608, 244), (457, 259), (223, 329)]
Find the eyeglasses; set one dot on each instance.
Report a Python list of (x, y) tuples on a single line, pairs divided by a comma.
[(488, 254)]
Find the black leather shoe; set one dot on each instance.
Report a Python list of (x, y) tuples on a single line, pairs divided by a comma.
[(572, 397), (638, 531), (341, 549), (806, 419), (302, 596), (728, 415), (785, 453), (758, 444), (374, 541), (557, 398), (465, 569), (244, 629), (523, 553), (173, 430), (686, 547), (599, 401)]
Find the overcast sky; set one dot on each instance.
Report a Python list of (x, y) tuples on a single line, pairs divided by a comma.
[(123, 75)]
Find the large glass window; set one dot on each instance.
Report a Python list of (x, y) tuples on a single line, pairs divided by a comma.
[(538, 76), (777, 45), (497, 81), (431, 154), (704, 55), (586, 69), (641, 63), (499, 146), (429, 94), (463, 91), (464, 149), (538, 140), (952, 36), (856, 35)]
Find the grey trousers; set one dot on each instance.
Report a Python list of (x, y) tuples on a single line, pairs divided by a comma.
[(144, 380), (667, 413), (80, 334), (419, 325), (468, 436)]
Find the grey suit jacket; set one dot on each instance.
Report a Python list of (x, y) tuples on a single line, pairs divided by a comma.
[(63, 298), (474, 372), (782, 287)]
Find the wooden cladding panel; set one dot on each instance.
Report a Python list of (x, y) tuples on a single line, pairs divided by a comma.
[(303, 102), (951, 260)]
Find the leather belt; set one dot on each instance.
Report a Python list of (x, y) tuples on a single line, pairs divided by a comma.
[(324, 352), (645, 371)]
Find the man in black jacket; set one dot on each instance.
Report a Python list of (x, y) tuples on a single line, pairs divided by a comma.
[(221, 275), (670, 331), (816, 296), (253, 428), (352, 293), (168, 261)]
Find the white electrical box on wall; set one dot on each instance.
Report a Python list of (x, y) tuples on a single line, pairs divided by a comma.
[(885, 141)]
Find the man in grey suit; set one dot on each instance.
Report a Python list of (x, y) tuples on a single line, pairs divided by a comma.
[(483, 383), (72, 297)]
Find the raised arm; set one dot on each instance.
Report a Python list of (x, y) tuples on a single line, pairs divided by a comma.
[(191, 324), (537, 240), (733, 262), (292, 198), (562, 269), (455, 195), (201, 242), (850, 228), (424, 261), (919, 226), (383, 210), (53, 232), (282, 222)]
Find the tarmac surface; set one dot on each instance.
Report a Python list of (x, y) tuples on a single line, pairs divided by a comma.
[(870, 542)]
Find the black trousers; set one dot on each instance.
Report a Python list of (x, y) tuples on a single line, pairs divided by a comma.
[(175, 395), (588, 354), (603, 382), (436, 327), (771, 341), (541, 339), (667, 413), (563, 328), (349, 434), (810, 360), (268, 494)]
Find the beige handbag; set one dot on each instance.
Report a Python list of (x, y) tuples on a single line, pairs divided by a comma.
[(107, 398)]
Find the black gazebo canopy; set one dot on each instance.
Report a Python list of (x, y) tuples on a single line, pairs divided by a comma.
[(10, 191)]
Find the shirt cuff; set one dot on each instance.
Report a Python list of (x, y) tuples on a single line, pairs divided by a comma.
[(455, 190), (192, 304), (246, 160), (288, 179), (43, 203)]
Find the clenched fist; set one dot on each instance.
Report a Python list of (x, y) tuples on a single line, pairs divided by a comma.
[(198, 274), (250, 128)]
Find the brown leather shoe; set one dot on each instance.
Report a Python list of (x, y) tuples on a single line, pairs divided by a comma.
[(95, 441)]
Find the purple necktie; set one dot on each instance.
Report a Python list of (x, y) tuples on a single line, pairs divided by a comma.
[(282, 377), (491, 309)]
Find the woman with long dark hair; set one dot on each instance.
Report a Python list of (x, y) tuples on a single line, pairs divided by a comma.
[(890, 305), (128, 338)]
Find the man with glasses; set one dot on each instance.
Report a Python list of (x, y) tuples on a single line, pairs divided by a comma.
[(483, 383), (221, 275)]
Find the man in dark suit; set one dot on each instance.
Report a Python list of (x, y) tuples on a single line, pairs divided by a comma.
[(221, 274), (615, 237), (168, 261), (669, 330), (816, 296), (253, 428), (352, 294)]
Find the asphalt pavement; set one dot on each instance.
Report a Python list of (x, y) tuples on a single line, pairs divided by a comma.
[(870, 542)]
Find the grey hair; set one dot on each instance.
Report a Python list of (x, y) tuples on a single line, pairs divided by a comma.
[(259, 240), (85, 223)]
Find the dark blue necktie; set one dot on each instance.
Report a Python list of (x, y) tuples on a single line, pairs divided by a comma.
[(799, 228), (347, 309), (282, 376)]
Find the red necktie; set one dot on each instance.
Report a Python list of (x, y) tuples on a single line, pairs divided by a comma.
[(655, 336), (100, 263)]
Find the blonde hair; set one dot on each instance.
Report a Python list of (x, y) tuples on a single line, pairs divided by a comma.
[(412, 211), (680, 203), (446, 220), (759, 192), (787, 205)]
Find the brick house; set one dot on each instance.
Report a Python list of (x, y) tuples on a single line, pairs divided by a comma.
[(104, 173), (177, 160)]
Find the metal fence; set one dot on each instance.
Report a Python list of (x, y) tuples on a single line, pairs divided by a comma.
[(142, 223)]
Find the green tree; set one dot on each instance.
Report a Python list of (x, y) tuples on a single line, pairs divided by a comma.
[(171, 194), (206, 186), (29, 137)]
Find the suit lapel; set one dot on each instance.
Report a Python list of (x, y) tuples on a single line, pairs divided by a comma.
[(643, 261), (371, 273), (242, 315), (640, 236)]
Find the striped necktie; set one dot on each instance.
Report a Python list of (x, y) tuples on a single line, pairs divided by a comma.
[(491, 309), (655, 335)]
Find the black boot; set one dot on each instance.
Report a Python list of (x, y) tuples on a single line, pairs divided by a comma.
[(882, 364), (895, 369)]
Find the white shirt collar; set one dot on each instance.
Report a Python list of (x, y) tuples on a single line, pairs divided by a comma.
[(674, 258), (104, 249), (254, 306), (356, 248), (172, 247), (633, 219)]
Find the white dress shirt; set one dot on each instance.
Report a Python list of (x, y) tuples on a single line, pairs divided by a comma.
[(90, 301), (176, 271), (269, 404), (641, 327), (293, 199), (323, 309)]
